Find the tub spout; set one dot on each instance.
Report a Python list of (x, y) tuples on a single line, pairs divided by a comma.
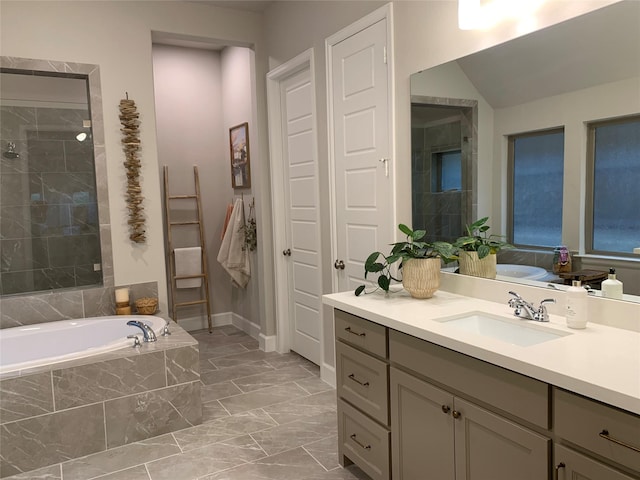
[(147, 331)]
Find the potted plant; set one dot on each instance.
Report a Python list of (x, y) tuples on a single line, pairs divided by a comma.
[(477, 250), (419, 262)]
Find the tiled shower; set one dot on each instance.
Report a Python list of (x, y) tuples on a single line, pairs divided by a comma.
[(49, 229)]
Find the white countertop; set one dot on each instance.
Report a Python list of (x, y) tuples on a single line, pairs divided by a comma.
[(599, 362)]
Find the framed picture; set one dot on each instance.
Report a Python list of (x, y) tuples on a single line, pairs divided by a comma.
[(240, 163)]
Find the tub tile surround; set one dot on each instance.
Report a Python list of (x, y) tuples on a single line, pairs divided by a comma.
[(19, 310), (117, 398), (270, 441)]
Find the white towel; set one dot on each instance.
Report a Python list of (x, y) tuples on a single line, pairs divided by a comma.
[(188, 262), (232, 255)]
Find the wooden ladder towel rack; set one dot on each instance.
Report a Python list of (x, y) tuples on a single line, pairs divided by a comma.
[(171, 251)]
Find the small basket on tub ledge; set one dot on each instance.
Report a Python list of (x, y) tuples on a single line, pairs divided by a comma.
[(146, 305)]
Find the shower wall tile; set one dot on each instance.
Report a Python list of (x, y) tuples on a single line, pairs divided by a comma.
[(138, 417), (183, 365), (74, 250), (106, 380), (25, 396), (78, 156), (45, 155), (53, 438), (98, 302)]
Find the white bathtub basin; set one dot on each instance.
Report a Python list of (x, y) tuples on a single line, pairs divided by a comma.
[(526, 272), (513, 331)]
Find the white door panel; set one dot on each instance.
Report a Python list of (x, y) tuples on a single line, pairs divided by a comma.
[(361, 132), (301, 205)]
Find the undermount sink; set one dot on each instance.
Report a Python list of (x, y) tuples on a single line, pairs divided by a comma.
[(514, 331)]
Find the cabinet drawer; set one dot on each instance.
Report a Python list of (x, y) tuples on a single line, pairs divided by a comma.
[(363, 441), (363, 381), (362, 333), (586, 422), (511, 392), (570, 464)]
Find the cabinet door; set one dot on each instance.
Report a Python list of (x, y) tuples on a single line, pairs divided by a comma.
[(491, 447), (571, 465), (422, 430)]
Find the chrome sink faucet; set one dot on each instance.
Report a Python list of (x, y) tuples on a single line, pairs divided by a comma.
[(527, 311), (147, 332)]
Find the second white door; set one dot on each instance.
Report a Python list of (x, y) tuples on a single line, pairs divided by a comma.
[(301, 204), (360, 101)]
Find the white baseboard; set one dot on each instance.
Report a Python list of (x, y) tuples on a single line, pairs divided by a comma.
[(328, 374), (268, 343), (191, 324)]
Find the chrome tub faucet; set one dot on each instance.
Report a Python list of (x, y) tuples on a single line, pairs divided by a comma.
[(526, 311), (147, 332)]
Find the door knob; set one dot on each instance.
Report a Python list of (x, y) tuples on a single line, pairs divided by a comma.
[(339, 265), (287, 252)]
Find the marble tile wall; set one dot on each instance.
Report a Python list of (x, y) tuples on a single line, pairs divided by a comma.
[(20, 310), (35, 311), (69, 412)]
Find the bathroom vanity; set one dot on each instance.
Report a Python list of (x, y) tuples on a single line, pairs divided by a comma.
[(430, 389)]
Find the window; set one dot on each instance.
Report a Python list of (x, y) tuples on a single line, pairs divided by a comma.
[(613, 209), (536, 167), (447, 171)]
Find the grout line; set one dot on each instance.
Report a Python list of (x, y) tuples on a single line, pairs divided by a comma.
[(318, 461)]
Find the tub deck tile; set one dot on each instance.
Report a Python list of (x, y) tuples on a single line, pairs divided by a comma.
[(25, 396), (101, 381)]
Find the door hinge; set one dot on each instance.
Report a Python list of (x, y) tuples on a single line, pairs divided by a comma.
[(384, 54)]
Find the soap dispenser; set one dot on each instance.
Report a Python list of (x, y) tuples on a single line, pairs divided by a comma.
[(612, 287), (576, 312)]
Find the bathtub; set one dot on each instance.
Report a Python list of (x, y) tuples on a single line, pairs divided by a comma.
[(42, 344)]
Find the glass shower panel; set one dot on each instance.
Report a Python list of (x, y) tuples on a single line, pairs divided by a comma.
[(49, 228)]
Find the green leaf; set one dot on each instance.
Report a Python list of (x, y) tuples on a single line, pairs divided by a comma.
[(359, 290), (383, 282), (375, 267), (371, 260), (406, 230), (418, 234), (483, 251)]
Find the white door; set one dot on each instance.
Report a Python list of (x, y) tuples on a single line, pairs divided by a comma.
[(299, 245), (360, 100)]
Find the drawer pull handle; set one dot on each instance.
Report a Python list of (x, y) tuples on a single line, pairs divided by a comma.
[(353, 377), (348, 330), (364, 447), (456, 414), (558, 467), (605, 434), (446, 408)]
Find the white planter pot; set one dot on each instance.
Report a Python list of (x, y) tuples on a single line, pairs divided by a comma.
[(471, 265), (421, 276)]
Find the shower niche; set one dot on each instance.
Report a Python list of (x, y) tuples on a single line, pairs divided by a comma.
[(49, 217)]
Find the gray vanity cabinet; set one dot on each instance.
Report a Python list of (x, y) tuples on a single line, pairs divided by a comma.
[(570, 465), (441, 436)]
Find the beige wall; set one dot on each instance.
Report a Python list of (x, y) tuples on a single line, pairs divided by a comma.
[(117, 37)]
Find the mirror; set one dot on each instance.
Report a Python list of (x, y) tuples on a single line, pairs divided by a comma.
[(50, 228), (593, 57)]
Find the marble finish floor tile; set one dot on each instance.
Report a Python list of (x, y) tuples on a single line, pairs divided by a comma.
[(224, 429), (270, 379), (47, 473), (209, 393), (212, 411), (314, 384), (241, 358), (206, 460), (323, 403), (293, 464), (299, 433), (262, 398), (232, 373), (325, 451), (120, 458), (134, 473)]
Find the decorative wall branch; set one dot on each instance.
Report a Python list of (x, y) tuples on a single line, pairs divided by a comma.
[(131, 141)]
